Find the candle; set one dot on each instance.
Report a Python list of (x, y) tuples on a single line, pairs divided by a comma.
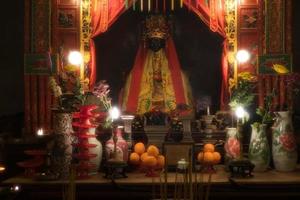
[(208, 112), (2, 168), (40, 132)]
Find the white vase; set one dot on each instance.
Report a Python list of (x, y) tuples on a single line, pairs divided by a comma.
[(284, 146), (259, 150), (95, 161)]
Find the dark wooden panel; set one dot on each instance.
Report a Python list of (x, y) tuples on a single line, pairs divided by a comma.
[(68, 39)]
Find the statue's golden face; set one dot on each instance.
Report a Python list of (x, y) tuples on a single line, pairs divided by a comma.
[(155, 44)]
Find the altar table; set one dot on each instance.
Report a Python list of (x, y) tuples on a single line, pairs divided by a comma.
[(266, 185)]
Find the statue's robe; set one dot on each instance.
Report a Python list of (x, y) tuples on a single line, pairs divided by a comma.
[(141, 92)]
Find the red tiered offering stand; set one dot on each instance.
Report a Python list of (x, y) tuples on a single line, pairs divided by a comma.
[(82, 125), (31, 165)]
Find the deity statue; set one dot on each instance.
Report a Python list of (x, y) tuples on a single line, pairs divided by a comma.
[(156, 81)]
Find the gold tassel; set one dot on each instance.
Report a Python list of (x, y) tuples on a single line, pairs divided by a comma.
[(133, 5), (142, 5), (172, 4), (181, 3), (149, 5)]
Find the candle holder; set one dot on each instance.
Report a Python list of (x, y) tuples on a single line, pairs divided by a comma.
[(116, 164), (31, 165), (83, 154), (127, 119)]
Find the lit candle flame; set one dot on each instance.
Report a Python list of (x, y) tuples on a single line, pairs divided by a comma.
[(40, 132), (2, 168)]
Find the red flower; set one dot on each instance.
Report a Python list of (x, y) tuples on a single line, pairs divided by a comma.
[(232, 147), (288, 141)]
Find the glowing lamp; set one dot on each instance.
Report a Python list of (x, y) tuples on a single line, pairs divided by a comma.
[(75, 58), (40, 132), (242, 56), (240, 112), (114, 113)]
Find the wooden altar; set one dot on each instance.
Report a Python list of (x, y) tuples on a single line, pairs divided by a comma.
[(267, 185)]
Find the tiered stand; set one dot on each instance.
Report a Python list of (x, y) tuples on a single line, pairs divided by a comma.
[(82, 125), (31, 165)]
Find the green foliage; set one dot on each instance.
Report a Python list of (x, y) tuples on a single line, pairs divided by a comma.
[(242, 95), (265, 113)]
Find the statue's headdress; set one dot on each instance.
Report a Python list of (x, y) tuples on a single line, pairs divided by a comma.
[(156, 26)]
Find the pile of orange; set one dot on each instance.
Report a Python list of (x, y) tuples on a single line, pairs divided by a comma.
[(209, 156), (148, 158)]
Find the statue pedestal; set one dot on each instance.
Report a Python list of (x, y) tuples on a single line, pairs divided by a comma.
[(156, 134), (187, 132)]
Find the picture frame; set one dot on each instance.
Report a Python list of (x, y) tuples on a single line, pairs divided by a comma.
[(175, 151), (266, 62)]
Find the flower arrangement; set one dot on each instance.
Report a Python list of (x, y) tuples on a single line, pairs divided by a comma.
[(71, 92)]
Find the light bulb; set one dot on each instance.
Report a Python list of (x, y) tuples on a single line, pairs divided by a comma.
[(75, 58), (242, 56), (114, 113)]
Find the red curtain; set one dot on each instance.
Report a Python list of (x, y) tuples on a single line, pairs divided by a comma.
[(104, 14)]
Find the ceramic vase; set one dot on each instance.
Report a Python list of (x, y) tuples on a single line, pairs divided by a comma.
[(232, 145), (61, 155), (259, 150), (98, 151), (284, 147), (121, 146)]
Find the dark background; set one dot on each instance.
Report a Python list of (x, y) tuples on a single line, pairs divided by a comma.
[(193, 54)]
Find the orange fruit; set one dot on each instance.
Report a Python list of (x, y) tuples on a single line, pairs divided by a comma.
[(217, 157), (134, 158), (200, 157), (208, 148), (150, 161), (160, 161), (144, 156), (152, 151), (208, 157), (139, 148)]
